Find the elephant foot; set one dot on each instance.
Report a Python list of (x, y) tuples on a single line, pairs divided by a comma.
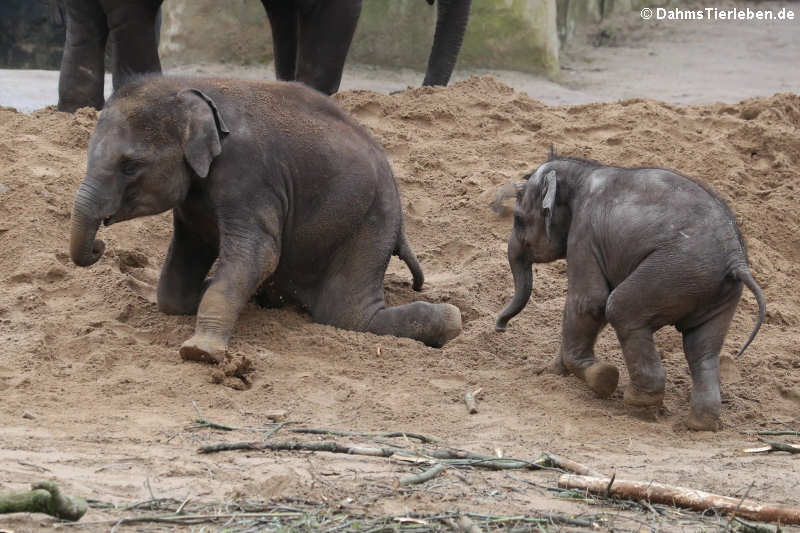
[(203, 348), (451, 325), (703, 420), (558, 367), (638, 398), (602, 378)]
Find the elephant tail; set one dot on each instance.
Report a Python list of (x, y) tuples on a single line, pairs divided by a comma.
[(404, 252), (743, 274)]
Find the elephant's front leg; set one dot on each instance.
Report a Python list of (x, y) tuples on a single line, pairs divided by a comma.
[(582, 322), (80, 82), (584, 318), (245, 261), (132, 32), (324, 37), (188, 261)]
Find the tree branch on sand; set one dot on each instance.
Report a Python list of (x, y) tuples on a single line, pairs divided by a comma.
[(682, 497), (46, 498)]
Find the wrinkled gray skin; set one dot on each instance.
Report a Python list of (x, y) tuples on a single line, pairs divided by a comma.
[(645, 247), (271, 180)]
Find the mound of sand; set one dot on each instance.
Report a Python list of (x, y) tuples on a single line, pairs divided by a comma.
[(93, 365)]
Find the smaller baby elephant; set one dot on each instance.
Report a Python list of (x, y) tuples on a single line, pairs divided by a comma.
[(271, 182), (645, 247)]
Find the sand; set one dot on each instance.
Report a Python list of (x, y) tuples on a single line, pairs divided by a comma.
[(95, 395)]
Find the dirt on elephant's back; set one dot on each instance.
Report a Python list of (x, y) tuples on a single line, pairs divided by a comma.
[(95, 395)]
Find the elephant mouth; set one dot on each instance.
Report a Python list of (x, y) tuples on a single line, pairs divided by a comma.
[(108, 221)]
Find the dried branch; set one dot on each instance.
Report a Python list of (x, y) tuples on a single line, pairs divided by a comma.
[(775, 432), (404, 434), (202, 422), (683, 497), (46, 498), (773, 447), (422, 477), (472, 403), (324, 446), (569, 465)]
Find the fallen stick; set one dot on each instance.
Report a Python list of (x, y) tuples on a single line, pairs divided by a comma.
[(773, 447), (205, 423), (447, 457), (324, 446), (569, 465), (682, 497), (472, 403), (422, 477), (315, 431), (775, 432), (45, 498)]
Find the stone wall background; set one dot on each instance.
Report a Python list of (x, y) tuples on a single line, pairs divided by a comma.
[(31, 35)]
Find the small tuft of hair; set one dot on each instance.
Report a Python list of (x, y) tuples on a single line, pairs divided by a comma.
[(573, 159), (551, 155)]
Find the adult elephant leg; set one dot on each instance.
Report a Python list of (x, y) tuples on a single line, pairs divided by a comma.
[(80, 81), (325, 32), (282, 17), (245, 261), (702, 345), (132, 27), (452, 17), (189, 259)]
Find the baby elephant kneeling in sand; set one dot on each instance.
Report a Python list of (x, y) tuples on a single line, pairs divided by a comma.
[(274, 183), (645, 247)]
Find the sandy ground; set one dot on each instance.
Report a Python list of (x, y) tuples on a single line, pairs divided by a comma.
[(94, 394)]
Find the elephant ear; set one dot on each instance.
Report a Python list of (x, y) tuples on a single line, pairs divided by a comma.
[(549, 202), (202, 140)]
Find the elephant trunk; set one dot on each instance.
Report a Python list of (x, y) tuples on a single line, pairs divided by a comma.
[(83, 248), (451, 24), (522, 270)]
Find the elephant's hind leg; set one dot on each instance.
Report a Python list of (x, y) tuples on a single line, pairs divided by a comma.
[(636, 308), (352, 298), (432, 324), (702, 345)]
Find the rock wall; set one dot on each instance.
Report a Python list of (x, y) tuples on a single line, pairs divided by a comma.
[(31, 36), (506, 34)]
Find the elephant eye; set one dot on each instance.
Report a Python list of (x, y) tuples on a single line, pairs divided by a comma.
[(129, 167), (518, 220)]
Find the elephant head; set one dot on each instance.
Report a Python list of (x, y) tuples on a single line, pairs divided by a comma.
[(451, 24), (539, 235), (143, 156)]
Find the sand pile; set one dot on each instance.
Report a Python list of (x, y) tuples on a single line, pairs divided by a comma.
[(86, 353)]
